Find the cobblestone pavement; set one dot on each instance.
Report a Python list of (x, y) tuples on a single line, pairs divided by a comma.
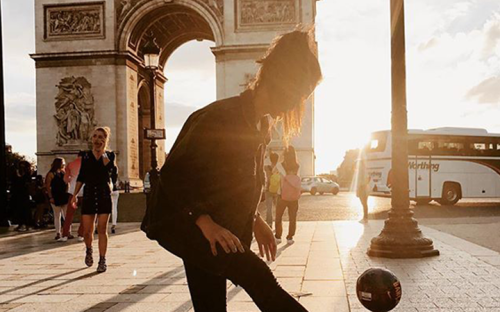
[(346, 206), (465, 277), (320, 269), (476, 220)]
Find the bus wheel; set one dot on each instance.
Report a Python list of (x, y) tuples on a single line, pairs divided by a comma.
[(451, 194), (335, 191), (423, 201), (313, 191)]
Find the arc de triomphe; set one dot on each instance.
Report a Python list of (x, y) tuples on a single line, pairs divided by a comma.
[(90, 70)]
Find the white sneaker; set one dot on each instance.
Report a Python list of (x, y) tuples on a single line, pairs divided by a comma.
[(80, 238), (278, 241), (290, 241), (63, 239)]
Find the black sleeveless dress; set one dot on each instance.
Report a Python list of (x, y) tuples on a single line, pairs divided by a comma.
[(97, 180)]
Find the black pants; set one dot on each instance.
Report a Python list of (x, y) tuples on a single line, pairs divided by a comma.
[(293, 208), (208, 291)]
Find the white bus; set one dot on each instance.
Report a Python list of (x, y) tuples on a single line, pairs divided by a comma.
[(444, 164)]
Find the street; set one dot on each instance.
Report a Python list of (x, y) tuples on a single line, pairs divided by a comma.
[(475, 220), (346, 206)]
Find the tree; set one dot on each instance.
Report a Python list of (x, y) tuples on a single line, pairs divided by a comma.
[(13, 159), (329, 176), (347, 168)]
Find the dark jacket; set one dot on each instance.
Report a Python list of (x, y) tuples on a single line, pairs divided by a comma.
[(215, 167)]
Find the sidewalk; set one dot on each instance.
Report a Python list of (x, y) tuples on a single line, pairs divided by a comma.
[(321, 268)]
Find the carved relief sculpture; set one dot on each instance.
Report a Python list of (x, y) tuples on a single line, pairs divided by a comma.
[(267, 12), (74, 21), (74, 111), (217, 6), (122, 8)]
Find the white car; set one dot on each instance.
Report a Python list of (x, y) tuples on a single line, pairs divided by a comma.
[(319, 185)]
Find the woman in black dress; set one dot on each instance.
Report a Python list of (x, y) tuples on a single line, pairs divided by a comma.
[(95, 173)]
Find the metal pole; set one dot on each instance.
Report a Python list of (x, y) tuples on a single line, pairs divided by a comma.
[(153, 175), (4, 221), (401, 236)]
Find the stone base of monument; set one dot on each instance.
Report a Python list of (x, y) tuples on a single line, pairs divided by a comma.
[(131, 208)]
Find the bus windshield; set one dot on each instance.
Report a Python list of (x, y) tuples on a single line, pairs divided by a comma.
[(377, 143)]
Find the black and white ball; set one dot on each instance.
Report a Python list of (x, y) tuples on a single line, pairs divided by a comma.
[(378, 290)]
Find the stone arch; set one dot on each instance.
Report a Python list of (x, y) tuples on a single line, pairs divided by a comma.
[(110, 60), (145, 14)]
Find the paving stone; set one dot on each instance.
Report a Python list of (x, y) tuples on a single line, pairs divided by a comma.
[(320, 270)]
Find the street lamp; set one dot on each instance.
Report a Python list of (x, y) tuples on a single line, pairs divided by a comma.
[(151, 52), (401, 236), (4, 221)]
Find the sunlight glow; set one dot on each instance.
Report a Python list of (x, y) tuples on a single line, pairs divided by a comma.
[(350, 234)]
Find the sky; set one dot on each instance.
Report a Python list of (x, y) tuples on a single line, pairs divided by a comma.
[(452, 57)]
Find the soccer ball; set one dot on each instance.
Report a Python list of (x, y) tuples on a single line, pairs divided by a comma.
[(378, 290)]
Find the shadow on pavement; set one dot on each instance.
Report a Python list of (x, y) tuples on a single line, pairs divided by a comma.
[(47, 288), (172, 276), (26, 243)]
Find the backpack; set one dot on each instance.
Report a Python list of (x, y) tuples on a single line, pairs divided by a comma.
[(274, 183), (291, 187)]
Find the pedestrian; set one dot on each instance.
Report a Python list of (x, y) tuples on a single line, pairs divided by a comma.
[(70, 176), (95, 174), (114, 199), (290, 194), (273, 183), (363, 186), (203, 207), (20, 200), (41, 201), (57, 189)]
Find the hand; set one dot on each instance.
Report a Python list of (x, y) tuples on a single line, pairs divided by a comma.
[(265, 239), (73, 202), (215, 233)]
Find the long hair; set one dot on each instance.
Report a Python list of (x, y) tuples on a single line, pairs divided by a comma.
[(24, 168), (290, 71), (107, 134), (290, 163), (56, 164)]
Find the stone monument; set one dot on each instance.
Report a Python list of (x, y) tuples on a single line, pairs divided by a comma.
[(90, 69)]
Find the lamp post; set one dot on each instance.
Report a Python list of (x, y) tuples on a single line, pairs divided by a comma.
[(151, 52), (4, 221), (401, 236)]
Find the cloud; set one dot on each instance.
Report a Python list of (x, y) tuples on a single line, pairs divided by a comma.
[(193, 56), (20, 105), (486, 92), (176, 114), (492, 38)]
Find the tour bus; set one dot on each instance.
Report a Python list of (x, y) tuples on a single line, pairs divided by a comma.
[(444, 164)]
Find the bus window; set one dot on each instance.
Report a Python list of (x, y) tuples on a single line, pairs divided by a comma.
[(419, 146), (377, 143), (425, 147), (451, 146), (483, 148)]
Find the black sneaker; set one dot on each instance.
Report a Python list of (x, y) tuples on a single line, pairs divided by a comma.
[(89, 260), (102, 267)]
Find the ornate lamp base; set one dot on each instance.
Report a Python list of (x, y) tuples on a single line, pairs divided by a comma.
[(401, 238)]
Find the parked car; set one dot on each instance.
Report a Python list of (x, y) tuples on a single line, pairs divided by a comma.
[(319, 185)]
